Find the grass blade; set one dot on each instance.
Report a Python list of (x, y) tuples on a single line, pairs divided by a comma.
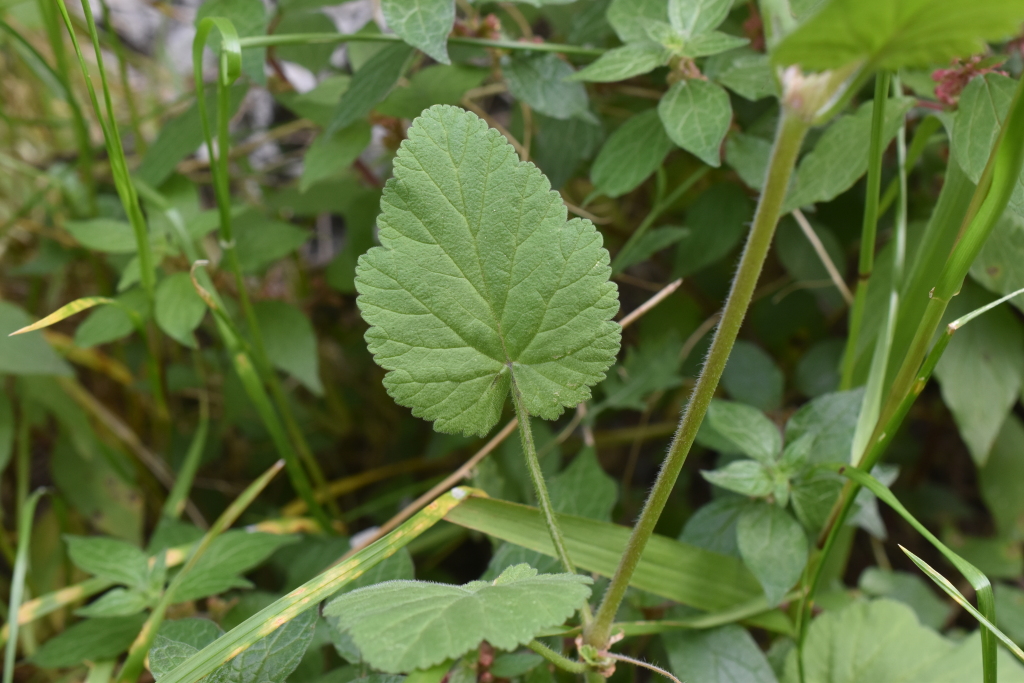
[(65, 311), (28, 511), (310, 593)]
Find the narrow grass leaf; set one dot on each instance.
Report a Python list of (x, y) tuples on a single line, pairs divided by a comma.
[(26, 517), (65, 311)]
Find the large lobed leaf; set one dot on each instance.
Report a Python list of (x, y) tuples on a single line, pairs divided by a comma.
[(480, 283), (404, 625)]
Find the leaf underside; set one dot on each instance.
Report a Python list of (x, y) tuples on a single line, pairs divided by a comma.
[(481, 283)]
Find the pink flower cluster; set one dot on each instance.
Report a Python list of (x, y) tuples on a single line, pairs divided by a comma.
[(949, 83)]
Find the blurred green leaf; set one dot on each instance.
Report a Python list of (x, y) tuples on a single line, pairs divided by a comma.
[(539, 80), (1010, 611), (290, 342), (91, 639), (910, 589), (774, 546), (1000, 265), (716, 222), (436, 84), (318, 104), (745, 477), (713, 526), (313, 56), (405, 625), (654, 366), (562, 145), (624, 62), (117, 602), (744, 71), (584, 489), (696, 115), (230, 555), (330, 154), (26, 354), (695, 17), (6, 430), (817, 372), (424, 24), (370, 85), (110, 323), (259, 240), (831, 420), (178, 309), (631, 154), (721, 654), (752, 377), (249, 18), (109, 558), (748, 156), (628, 17), (1000, 479), (103, 234)]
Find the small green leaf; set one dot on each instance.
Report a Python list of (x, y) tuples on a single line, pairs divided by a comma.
[(745, 72), (752, 377), (260, 241), (696, 115), (722, 654), (563, 145), (104, 234), (313, 56), (909, 589), (111, 323), (1000, 265), (331, 154), (713, 526), (1000, 479), (831, 420), (92, 639), (584, 489), (26, 354), (370, 85), (539, 80), (716, 223), (318, 104), (229, 556), (813, 493), (711, 44), (649, 244), (290, 342), (890, 35), (424, 24), (748, 155), (738, 428), (117, 602), (745, 477), (627, 17), (841, 155), (109, 558), (982, 370), (404, 625), (481, 284), (774, 546), (178, 309), (623, 62), (436, 84), (697, 17), (631, 154)]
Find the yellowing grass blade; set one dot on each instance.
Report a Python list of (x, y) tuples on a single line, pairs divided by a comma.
[(65, 311)]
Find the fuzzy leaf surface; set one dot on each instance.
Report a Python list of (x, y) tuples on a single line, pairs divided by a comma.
[(422, 23), (481, 284), (404, 625)]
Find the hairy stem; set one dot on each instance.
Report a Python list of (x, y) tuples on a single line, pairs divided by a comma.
[(788, 138), (556, 658)]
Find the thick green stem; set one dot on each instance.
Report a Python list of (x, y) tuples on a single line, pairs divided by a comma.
[(788, 138), (869, 228), (537, 477)]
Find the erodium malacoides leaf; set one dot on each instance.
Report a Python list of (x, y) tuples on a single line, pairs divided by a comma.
[(481, 285)]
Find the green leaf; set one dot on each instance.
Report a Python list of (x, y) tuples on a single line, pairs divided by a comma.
[(802, 262), (1010, 611), (111, 323), (881, 640), (982, 370), (370, 85), (748, 155), (92, 639), (909, 589), (26, 354), (752, 377), (677, 571), (624, 62), (474, 291), (632, 153), (890, 35), (817, 372), (331, 154), (711, 44), (981, 109), (744, 71), (249, 17), (841, 155), (65, 311), (228, 557), (404, 625), (649, 244), (1000, 265), (259, 240), (696, 115), (813, 493), (178, 309), (731, 427), (109, 558), (313, 56), (831, 421), (627, 17), (424, 24), (104, 234), (539, 80), (696, 17), (435, 84), (318, 104), (180, 136), (269, 660), (713, 526), (117, 602), (774, 546), (584, 489), (290, 342), (6, 430), (562, 145), (745, 477), (654, 366), (716, 222), (1000, 479), (721, 654)]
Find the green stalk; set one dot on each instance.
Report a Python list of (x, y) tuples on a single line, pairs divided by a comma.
[(178, 496), (25, 515), (660, 206), (788, 138), (558, 659), (869, 228), (140, 648), (922, 136), (328, 38), (122, 72)]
